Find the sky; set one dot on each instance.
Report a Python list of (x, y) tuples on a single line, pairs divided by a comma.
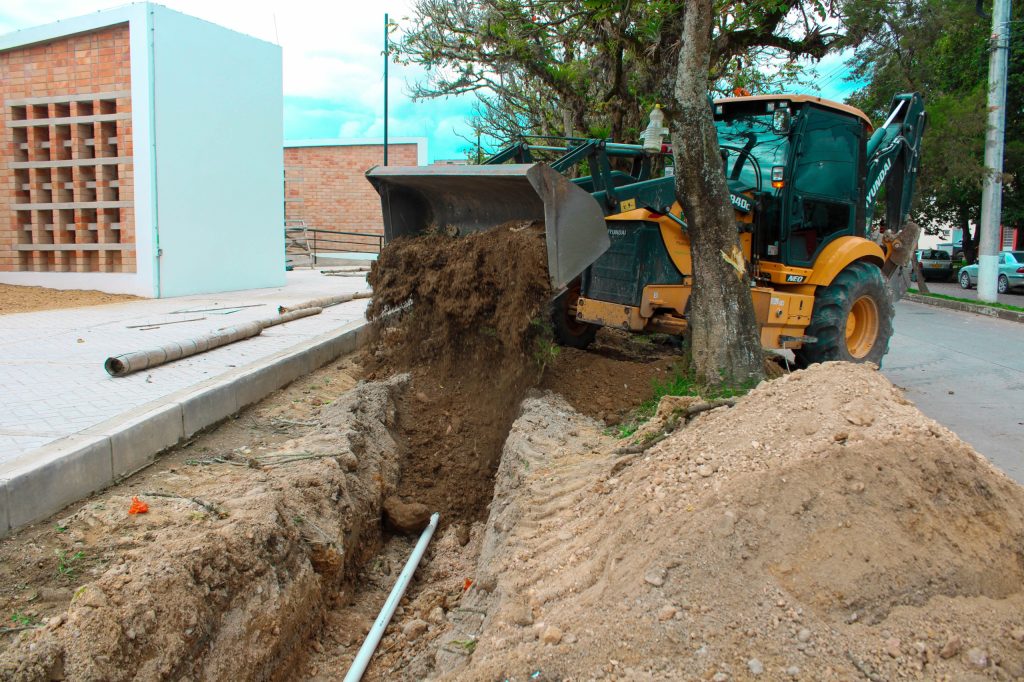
[(333, 65)]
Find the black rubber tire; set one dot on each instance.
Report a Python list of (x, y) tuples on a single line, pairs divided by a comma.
[(965, 280), (832, 306), (1002, 284), (568, 331)]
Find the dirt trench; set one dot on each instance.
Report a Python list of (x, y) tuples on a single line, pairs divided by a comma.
[(468, 341), (252, 532), (451, 431), (263, 554), (475, 342)]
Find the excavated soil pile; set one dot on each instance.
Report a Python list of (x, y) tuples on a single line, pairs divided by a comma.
[(472, 296), (472, 342), (821, 529), (229, 571), (21, 299)]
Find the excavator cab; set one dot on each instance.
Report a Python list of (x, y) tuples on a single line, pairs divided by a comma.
[(803, 164)]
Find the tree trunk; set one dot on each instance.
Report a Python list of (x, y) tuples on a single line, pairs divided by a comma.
[(723, 331), (970, 244)]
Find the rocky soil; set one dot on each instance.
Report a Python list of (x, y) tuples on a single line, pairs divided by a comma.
[(821, 529), (252, 533)]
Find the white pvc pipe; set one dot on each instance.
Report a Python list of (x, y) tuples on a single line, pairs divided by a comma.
[(355, 673)]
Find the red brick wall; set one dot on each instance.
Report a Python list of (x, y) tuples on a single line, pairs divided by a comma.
[(326, 187), (73, 199)]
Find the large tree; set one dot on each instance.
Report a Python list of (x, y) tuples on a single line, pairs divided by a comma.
[(595, 67), (724, 339)]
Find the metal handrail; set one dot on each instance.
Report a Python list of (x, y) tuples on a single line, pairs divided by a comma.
[(337, 238)]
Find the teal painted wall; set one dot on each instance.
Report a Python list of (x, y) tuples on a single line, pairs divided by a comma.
[(218, 128)]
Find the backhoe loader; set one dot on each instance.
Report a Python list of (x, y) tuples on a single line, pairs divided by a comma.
[(804, 176)]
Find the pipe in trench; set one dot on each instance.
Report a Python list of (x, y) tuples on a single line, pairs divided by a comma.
[(362, 660), (123, 365)]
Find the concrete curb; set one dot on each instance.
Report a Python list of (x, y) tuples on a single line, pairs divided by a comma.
[(962, 306), (44, 481)]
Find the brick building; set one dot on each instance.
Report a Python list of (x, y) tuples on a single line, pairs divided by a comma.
[(138, 146), (326, 187)]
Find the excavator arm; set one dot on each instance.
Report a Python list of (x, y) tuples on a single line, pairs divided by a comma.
[(893, 158)]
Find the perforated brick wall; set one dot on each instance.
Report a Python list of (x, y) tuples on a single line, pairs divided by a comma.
[(326, 188), (66, 172)]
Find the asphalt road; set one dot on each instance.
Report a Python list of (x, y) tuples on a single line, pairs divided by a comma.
[(965, 371)]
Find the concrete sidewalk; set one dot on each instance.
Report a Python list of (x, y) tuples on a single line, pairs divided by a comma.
[(67, 428)]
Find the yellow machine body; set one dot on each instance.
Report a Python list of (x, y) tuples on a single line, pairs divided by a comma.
[(783, 300)]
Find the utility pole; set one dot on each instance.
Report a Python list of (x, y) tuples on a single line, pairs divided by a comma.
[(387, 50), (992, 192)]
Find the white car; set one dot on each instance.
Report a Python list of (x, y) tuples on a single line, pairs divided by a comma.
[(1011, 272)]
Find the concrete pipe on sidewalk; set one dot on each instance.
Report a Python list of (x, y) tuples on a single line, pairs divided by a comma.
[(325, 302), (123, 365)]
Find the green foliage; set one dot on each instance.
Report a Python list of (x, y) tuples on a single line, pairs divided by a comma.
[(24, 621), (682, 382), (67, 565), (941, 48), (467, 645), (597, 67), (1004, 306), (545, 350)]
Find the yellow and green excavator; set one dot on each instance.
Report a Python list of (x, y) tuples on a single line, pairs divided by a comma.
[(804, 176)]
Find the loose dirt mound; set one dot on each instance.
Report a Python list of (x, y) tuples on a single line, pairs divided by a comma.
[(19, 299), (474, 298), (821, 529), (470, 341)]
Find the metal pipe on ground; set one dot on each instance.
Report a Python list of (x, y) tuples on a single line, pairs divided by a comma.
[(325, 302), (123, 365)]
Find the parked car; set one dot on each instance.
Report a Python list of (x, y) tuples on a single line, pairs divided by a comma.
[(1011, 272), (955, 248), (935, 264)]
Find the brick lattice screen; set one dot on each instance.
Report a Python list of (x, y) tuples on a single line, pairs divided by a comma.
[(66, 181)]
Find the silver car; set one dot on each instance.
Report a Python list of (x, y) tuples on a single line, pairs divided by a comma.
[(1011, 272), (935, 264)]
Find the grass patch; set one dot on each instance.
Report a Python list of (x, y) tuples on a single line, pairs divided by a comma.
[(545, 351), (68, 564), (24, 621), (1004, 306), (680, 383)]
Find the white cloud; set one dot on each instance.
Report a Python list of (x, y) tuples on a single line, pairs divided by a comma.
[(332, 61)]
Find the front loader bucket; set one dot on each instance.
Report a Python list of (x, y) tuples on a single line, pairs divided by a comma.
[(466, 199)]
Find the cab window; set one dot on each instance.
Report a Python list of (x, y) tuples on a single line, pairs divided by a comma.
[(825, 183)]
